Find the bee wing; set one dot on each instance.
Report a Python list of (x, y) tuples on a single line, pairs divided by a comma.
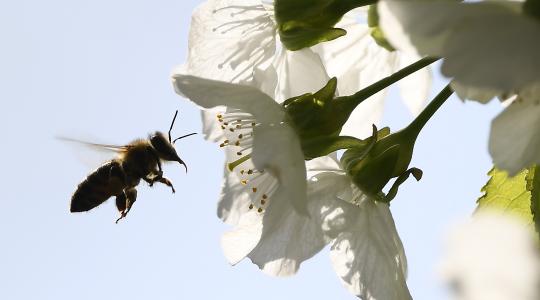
[(110, 147), (93, 154)]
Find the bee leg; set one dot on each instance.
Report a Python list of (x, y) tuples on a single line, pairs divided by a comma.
[(166, 182), (125, 201), (159, 178)]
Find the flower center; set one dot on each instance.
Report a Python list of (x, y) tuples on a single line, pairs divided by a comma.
[(237, 129)]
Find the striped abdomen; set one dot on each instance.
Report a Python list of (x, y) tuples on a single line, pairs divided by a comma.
[(107, 181)]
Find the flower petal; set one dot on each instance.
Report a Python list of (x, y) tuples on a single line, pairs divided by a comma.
[(289, 238), (211, 93), (298, 72), (414, 88), (493, 256), (238, 243), (368, 255), (277, 150), (234, 200), (463, 33), (229, 38), (515, 136)]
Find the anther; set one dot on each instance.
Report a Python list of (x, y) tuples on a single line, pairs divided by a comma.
[(237, 143), (259, 210), (238, 153), (240, 136), (231, 129), (251, 206), (263, 202), (243, 181), (254, 189), (264, 196)]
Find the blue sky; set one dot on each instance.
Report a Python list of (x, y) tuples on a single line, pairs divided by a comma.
[(101, 69)]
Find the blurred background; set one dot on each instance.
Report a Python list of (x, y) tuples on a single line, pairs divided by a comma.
[(101, 69)]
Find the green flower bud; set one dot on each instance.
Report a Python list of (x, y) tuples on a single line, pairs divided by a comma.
[(384, 157), (304, 23), (318, 118)]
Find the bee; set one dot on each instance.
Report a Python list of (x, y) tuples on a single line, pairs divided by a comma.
[(140, 159)]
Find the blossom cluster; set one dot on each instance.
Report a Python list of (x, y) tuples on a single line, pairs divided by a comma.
[(292, 91)]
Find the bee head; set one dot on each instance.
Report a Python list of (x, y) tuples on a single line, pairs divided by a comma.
[(165, 147)]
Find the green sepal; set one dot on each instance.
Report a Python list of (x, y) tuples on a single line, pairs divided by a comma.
[(314, 115), (305, 23), (415, 172)]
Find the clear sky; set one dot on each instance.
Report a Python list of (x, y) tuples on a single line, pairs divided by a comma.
[(101, 69)]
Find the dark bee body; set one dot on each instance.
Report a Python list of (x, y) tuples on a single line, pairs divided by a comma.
[(138, 160)]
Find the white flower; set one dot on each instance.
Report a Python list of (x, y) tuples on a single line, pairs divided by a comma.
[(490, 49), (492, 257), (265, 150), (366, 251), (237, 41)]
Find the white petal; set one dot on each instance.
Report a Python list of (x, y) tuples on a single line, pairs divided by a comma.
[(368, 256), (234, 199), (515, 136), (298, 72), (466, 92), (493, 256), (211, 129), (229, 38), (414, 88), (276, 149), (357, 61), (210, 93), (290, 238), (489, 45), (239, 242)]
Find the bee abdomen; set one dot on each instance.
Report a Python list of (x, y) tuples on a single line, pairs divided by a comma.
[(108, 180)]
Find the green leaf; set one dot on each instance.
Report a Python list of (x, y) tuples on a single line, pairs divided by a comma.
[(518, 195), (533, 185)]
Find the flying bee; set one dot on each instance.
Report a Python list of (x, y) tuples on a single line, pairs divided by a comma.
[(140, 159)]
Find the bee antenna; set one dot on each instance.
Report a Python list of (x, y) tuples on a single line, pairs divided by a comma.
[(184, 136), (172, 124)]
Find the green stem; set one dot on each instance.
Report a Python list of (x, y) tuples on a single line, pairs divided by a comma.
[(344, 6), (349, 103), (416, 126)]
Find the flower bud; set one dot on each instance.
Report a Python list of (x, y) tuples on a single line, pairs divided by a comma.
[(372, 166)]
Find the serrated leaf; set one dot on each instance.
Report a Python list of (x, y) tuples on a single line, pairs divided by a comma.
[(518, 195), (533, 185)]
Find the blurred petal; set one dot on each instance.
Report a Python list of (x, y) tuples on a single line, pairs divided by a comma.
[(488, 45), (493, 256), (515, 136)]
